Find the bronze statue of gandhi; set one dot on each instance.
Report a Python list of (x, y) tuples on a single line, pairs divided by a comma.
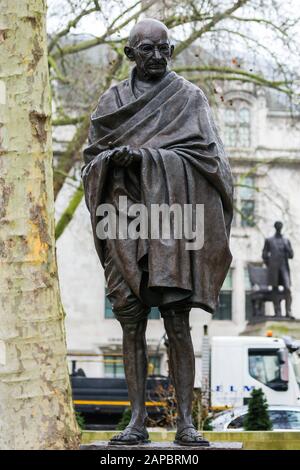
[(153, 140)]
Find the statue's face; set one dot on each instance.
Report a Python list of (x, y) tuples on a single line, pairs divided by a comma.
[(278, 226), (151, 51)]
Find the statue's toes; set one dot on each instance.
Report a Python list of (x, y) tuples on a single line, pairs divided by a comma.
[(130, 436), (190, 436)]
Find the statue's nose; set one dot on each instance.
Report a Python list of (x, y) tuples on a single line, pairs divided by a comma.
[(157, 54)]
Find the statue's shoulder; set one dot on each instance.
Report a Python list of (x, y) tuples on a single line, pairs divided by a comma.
[(191, 88), (269, 241), (274, 239), (109, 101), (120, 88), (116, 89)]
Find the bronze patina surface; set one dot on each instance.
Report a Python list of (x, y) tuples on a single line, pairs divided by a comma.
[(153, 139)]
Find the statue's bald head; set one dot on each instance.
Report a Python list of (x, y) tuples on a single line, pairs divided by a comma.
[(278, 226), (149, 47), (148, 29)]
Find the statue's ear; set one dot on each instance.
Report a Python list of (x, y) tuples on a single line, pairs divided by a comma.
[(171, 50), (129, 52)]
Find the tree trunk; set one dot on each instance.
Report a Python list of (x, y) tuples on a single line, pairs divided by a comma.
[(36, 410)]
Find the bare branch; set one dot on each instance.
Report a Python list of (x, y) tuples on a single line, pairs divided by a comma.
[(230, 73), (259, 45), (71, 155), (69, 212), (67, 121), (59, 76), (100, 40), (215, 20), (266, 83), (72, 24)]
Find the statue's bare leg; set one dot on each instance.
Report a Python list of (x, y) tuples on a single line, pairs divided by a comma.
[(288, 302), (182, 368), (276, 301), (135, 365)]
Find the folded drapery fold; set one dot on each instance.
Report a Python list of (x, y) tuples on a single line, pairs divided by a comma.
[(183, 162)]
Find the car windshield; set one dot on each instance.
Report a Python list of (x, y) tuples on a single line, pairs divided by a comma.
[(237, 423), (281, 419), (284, 419)]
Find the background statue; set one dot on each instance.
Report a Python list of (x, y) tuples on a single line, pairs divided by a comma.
[(276, 253), (153, 139)]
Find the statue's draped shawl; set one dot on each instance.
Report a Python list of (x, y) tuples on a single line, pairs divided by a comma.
[(183, 162)]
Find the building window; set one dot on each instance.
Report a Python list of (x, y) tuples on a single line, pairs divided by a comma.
[(224, 309), (237, 125), (248, 289), (108, 313), (244, 202), (153, 365), (113, 366), (247, 190)]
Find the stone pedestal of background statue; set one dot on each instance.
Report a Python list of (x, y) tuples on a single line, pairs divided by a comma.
[(279, 327)]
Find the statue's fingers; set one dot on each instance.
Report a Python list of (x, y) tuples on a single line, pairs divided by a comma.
[(124, 155), (123, 149), (117, 155), (127, 160), (122, 160), (113, 154)]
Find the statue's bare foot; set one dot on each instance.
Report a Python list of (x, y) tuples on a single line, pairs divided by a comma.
[(131, 435), (189, 436)]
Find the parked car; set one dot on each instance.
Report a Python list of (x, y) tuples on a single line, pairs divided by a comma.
[(282, 418)]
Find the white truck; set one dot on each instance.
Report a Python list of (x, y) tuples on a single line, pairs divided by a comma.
[(233, 365)]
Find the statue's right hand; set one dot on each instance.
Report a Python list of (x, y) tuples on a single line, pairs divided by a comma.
[(120, 155)]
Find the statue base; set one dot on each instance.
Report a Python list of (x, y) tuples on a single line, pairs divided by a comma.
[(278, 325), (161, 446)]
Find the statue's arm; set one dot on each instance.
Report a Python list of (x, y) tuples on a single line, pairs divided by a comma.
[(106, 104), (266, 252), (289, 249)]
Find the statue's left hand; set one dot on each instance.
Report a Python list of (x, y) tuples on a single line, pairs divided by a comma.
[(124, 156)]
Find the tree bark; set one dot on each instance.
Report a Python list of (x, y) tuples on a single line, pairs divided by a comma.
[(36, 410)]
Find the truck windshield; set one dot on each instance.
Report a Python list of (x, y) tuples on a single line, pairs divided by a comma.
[(296, 365), (270, 367)]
